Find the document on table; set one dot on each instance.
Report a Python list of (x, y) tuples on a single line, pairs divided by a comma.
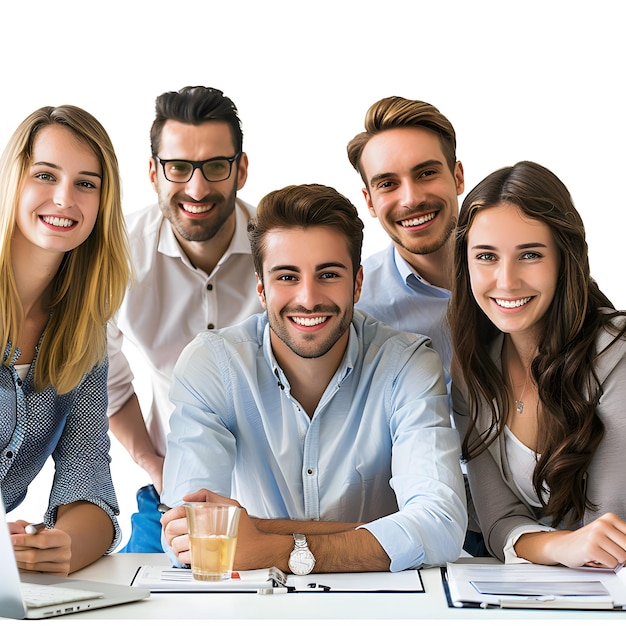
[(176, 579), (481, 585), (173, 580)]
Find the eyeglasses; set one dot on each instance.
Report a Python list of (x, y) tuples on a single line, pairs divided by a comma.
[(181, 170)]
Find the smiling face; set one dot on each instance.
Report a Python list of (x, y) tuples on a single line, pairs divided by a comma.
[(410, 188), (198, 210), (308, 291), (59, 194), (513, 264)]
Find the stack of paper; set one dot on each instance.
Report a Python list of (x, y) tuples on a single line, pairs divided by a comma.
[(479, 585)]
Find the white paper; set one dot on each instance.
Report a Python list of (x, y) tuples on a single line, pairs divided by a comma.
[(168, 579), (463, 578)]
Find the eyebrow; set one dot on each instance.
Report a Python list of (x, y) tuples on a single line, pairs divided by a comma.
[(414, 169), (522, 246), (56, 167), (295, 268)]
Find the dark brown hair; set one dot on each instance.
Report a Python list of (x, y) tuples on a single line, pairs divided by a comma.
[(303, 206), (569, 427), (195, 105)]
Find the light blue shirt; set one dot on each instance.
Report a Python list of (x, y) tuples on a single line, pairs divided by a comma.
[(393, 293), (378, 449)]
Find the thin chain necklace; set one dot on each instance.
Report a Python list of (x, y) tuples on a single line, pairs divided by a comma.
[(519, 404)]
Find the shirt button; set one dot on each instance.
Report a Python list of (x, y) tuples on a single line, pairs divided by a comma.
[(209, 287), (210, 326), (19, 382), (9, 454), (310, 471)]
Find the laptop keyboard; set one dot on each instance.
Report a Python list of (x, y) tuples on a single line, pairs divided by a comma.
[(45, 595)]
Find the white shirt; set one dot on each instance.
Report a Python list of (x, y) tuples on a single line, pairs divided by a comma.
[(522, 461), (169, 304)]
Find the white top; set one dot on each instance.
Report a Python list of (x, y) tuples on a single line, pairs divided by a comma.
[(522, 461), (170, 303), (22, 370)]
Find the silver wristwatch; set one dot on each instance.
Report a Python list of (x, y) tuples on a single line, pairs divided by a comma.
[(301, 559)]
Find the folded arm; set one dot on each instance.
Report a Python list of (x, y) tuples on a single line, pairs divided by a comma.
[(601, 543), (337, 547)]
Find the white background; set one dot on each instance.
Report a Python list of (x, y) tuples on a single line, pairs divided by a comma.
[(540, 80)]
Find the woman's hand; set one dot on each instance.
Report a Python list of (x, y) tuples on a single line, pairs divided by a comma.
[(47, 551), (601, 543)]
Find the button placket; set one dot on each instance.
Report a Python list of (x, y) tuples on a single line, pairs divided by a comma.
[(310, 462)]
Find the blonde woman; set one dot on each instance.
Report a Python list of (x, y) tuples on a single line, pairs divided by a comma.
[(64, 268)]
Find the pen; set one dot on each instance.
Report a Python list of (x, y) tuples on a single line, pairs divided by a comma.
[(272, 591), (163, 508), (33, 529)]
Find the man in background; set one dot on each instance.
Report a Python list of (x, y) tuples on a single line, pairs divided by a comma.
[(407, 159), (194, 272)]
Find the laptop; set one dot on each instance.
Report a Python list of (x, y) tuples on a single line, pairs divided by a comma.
[(34, 596)]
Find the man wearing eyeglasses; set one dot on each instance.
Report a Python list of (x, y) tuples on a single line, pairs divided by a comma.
[(194, 272)]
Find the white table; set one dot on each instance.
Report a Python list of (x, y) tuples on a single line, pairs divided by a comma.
[(231, 608)]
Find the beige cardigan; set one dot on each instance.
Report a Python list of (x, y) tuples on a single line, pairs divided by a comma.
[(500, 507)]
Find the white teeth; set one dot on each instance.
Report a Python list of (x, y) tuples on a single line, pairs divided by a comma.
[(512, 304), (418, 221), (191, 208), (309, 321), (58, 221)]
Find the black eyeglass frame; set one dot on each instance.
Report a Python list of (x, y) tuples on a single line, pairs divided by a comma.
[(198, 165)]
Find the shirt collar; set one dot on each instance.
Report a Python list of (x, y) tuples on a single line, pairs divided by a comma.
[(409, 275), (16, 354), (344, 370), (405, 270)]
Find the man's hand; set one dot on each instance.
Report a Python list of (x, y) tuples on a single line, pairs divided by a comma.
[(175, 527), (253, 546), (48, 551)]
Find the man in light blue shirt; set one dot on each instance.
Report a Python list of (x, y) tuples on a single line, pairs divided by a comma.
[(318, 419), (407, 159), (394, 293)]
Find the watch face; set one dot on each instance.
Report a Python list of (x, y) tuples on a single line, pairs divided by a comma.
[(301, 561)]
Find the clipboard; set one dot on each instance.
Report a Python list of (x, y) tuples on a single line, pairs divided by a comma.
[(480, 585), (160, 579)]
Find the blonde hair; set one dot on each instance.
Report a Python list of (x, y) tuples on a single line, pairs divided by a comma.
[(91, 282)]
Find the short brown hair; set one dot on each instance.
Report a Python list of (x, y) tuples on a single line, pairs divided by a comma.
[(397, 112), (303, 206)]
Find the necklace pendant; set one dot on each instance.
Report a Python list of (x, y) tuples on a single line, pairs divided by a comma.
[(519, 405)]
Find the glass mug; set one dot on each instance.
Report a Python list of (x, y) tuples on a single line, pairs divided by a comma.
[(213, 538)]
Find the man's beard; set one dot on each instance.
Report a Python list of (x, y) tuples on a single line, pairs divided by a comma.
[(419, 247), (312, 350), (200, 229)]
